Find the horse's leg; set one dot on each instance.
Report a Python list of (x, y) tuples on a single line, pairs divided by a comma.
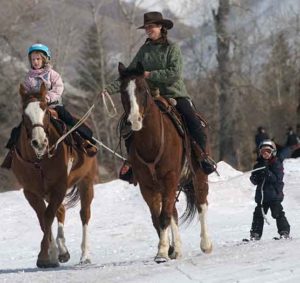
[(86, 197), (166, 218), (153, 200), (175, 248), (48, 256), (169, 218), (64, 255), (201, 192), (38, 204)]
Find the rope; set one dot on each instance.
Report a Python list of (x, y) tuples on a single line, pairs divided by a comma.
[(239, 176), (261, 203), (78, 124), (110, 150), (105, 95)]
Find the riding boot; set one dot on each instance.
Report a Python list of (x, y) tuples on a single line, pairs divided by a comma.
[(207, 164), (14, 136)]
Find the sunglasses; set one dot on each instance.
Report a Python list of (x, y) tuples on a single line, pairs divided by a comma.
[(266, 150)]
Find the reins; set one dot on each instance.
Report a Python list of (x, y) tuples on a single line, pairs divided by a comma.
[(78, 124)]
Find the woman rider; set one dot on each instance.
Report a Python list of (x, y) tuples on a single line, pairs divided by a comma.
[(162, 61)]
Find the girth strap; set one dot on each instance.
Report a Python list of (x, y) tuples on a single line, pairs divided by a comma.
[(151, 165)]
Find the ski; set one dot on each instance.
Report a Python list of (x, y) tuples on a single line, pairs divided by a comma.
[(282, 238)]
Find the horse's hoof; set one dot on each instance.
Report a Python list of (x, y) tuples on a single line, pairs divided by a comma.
[(46, 264), (85, 261), (64, 257), (207, 250), (173, 254), (171, 251), (160, 259)]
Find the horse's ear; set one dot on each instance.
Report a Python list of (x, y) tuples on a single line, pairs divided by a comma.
[(22, 90), (140, 68), (121, 68), (43, 90)]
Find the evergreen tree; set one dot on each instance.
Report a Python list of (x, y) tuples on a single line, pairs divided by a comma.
[(279, 83)]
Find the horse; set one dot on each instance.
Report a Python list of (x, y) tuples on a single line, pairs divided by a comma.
[(157, 156), (46, 174)]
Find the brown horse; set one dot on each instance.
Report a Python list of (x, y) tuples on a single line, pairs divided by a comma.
[(46, 177), (157, 156)]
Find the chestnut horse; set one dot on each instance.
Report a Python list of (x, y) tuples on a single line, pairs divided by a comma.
[(157, 156), (46, 177)]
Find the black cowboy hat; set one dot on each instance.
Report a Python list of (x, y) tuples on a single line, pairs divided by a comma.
[(156, 18)]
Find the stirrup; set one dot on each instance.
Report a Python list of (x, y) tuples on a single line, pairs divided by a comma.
[(126, 173)]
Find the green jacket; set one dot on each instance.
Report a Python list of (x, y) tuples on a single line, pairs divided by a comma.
[(165, 64)]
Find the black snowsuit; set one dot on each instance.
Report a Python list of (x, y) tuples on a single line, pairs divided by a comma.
[(269, 195)]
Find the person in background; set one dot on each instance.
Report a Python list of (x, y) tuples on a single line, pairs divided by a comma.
[(292, 138), (269, 191), (162, 61), (260, 136), (41, 71), (292, 143)]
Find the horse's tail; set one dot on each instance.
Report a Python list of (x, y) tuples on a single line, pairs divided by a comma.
[(72, 198), (191, 207)]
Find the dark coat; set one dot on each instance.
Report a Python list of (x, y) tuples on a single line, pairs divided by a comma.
[(292, 139), (269, 179)]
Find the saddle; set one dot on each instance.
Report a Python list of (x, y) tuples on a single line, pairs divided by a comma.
[(74, 140), (167, 106)]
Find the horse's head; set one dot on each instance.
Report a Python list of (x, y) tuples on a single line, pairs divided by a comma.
[(35, 119), (134, 94)]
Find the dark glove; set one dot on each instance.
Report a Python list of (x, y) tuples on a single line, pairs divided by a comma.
[(258, 176)]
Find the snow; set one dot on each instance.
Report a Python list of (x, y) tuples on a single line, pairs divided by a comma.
[(123, 242)]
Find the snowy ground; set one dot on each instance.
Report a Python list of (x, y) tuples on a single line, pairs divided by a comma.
[(123, 242)]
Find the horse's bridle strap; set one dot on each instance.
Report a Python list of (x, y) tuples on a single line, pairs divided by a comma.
[(151, 165), (38, 125)]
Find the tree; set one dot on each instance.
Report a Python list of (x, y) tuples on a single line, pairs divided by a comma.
[(93, 74), (228, 102), (280, 84)]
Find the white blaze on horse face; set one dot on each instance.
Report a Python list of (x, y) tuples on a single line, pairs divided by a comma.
[(39, 139), (134, 117)]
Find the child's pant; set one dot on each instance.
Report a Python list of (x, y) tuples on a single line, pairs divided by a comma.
[(276, 212)]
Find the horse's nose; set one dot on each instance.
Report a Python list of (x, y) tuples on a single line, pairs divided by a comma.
[(38, 145), (34, 143)]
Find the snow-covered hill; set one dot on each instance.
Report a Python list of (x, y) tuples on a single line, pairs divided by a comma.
[(123, 241)]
